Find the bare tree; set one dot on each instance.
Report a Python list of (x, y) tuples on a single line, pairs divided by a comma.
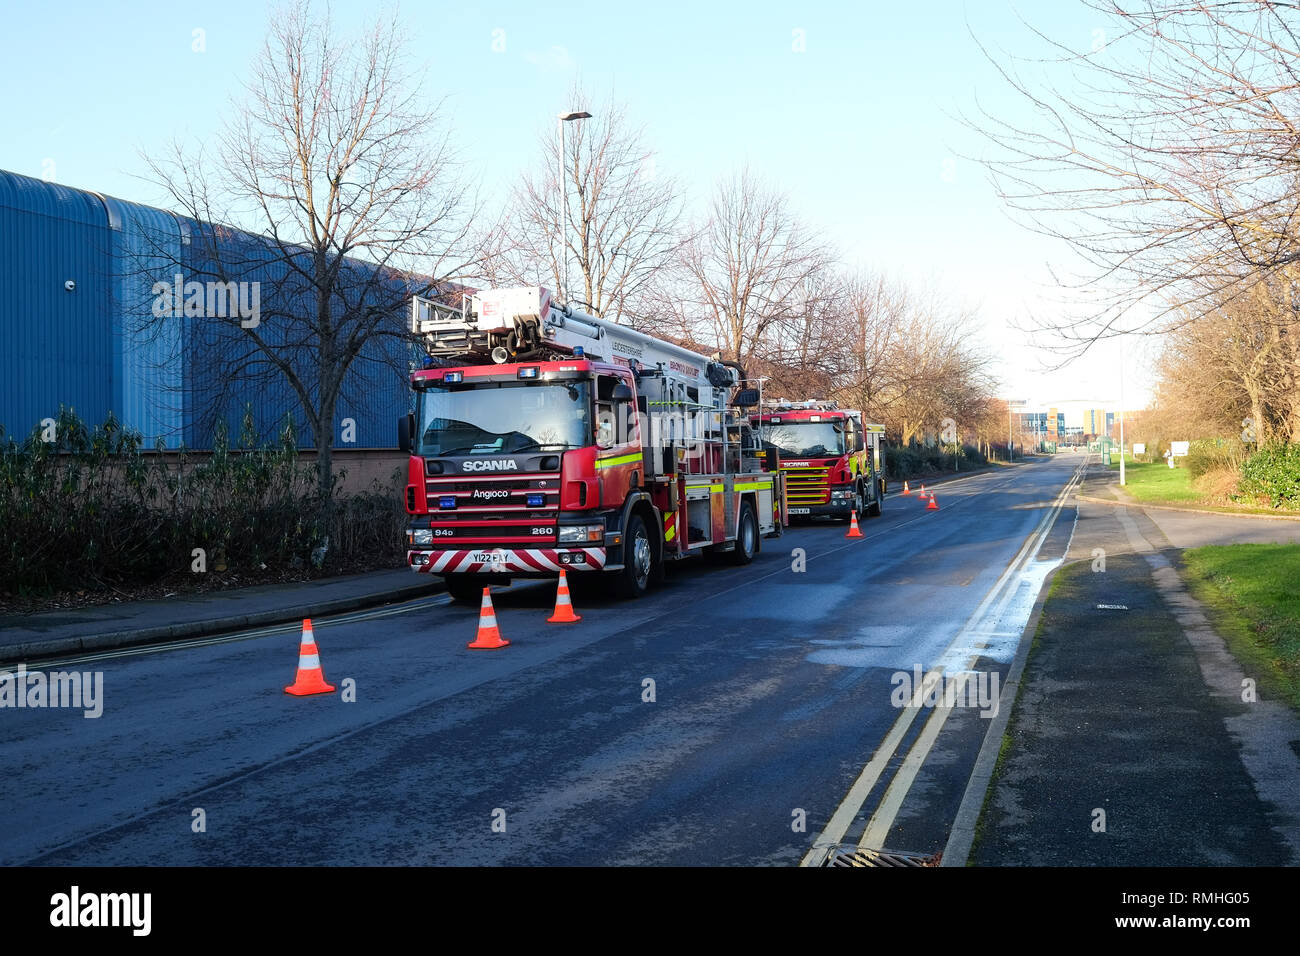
[(624, 216), (342, 180), (749, 271), (1234, 370), (905, 360), (867, 364), (1169, 164)]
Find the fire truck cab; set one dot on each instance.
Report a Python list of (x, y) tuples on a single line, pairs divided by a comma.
[(833, 463), (545, 439)]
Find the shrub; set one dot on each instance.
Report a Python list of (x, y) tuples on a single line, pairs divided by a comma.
[(93, 509), (913, 460), (1218, 486), (1273, 473), (1207, 455)]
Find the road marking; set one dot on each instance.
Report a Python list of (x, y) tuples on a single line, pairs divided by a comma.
[(847, 811), (961, 836), (883, 818)]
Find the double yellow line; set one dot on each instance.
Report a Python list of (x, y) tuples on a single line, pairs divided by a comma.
[(882, 819)]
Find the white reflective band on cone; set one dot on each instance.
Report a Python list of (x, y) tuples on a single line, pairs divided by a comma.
[(309, 662)]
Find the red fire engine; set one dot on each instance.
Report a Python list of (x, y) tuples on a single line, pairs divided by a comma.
[(550, 439), (833, 463)]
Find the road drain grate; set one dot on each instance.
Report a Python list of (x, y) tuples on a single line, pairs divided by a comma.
[(855, 856)]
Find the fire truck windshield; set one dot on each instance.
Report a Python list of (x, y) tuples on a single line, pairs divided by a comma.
[(503, 418), (805, 439)]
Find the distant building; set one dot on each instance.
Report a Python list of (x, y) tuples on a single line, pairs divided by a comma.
[(1033, 425), (1098, 422), (79, 280)]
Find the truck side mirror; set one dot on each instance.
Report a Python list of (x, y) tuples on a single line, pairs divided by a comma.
[(405, 432)]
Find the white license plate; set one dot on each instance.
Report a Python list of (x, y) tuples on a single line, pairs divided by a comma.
[(800, 511), (495, 560)]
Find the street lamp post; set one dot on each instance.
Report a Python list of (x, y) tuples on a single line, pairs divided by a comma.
[(564, 189)]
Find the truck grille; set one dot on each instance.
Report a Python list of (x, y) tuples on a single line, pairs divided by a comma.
[(481, 497), (499, 513), (807, 486)]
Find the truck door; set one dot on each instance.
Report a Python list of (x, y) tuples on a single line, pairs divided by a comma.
[(618, 441)]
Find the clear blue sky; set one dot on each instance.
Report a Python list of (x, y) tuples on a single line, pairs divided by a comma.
[(859, 128)]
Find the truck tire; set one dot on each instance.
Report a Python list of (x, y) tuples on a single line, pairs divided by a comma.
[(746, 535), (638, 561), (465, 588)]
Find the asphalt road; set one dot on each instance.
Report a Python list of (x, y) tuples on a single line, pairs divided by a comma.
[(772, 695)]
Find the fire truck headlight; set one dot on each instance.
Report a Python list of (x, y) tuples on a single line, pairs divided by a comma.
[(582, 533), (420, 536)]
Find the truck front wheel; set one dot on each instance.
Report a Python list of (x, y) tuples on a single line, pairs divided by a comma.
[(465, 588), (638, 561)]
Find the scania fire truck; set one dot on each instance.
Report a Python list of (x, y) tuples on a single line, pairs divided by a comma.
[(544, 438), (832, 462)]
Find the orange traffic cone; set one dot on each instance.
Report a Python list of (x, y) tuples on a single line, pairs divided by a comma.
[(563, 606), (923, 489), (488, 637), (854, 531), (933, 505), (310, 678), (906, 490)]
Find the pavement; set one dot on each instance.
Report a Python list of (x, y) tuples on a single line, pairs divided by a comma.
[(28, 637), (736, 715), (1133, 742)]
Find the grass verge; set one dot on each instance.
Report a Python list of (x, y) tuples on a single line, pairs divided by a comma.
[(1152, 483), (1251, 595), (1155, 483)]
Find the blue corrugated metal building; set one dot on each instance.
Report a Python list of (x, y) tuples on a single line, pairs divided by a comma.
[(78, 329)]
